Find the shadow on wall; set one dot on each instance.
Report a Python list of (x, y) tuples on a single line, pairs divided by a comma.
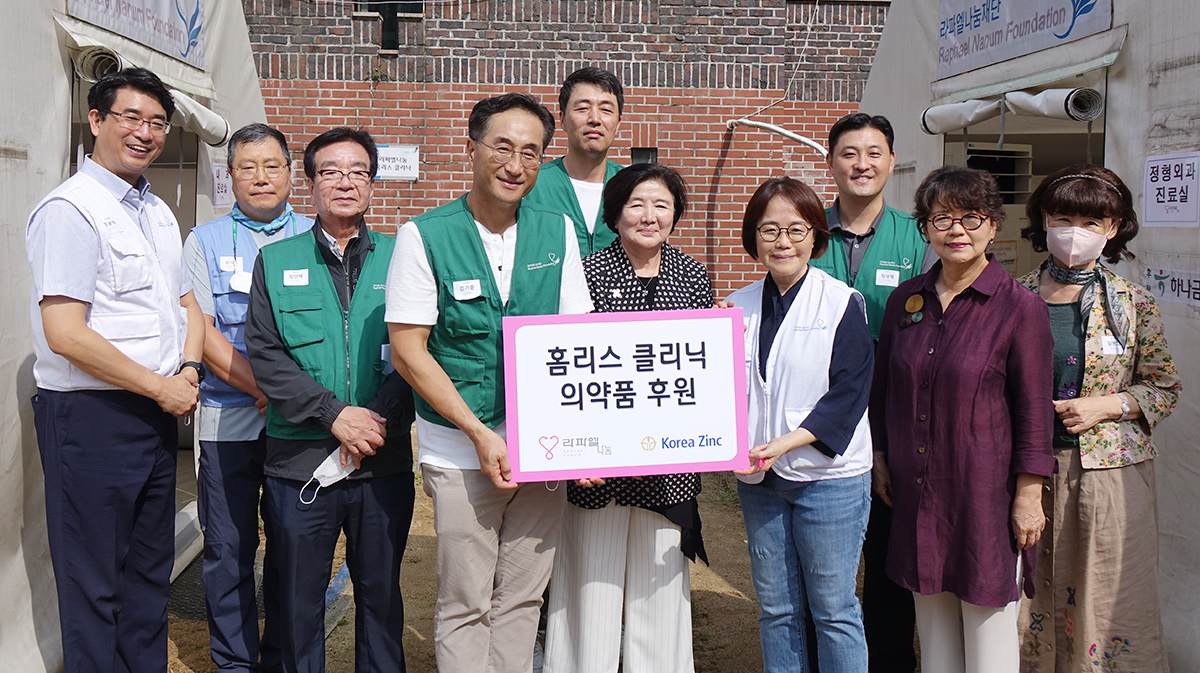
[(34, 544)]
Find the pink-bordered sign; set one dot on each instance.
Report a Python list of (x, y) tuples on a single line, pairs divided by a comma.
[(625, 394)]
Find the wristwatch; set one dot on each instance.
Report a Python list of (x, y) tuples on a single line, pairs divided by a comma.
[(194, 365), (1124, 407)]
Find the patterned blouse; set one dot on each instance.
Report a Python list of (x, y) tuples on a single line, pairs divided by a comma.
[(1144, 370), (683, 283)]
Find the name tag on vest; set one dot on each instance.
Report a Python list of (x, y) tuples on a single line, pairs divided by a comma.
[(467, 289), (887, 277), (231, 263), (295, 277)]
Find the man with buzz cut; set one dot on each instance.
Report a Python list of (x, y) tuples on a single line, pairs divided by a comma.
[(590, 105), (117, 340), (220, 256), (874, 248), (457, 271)]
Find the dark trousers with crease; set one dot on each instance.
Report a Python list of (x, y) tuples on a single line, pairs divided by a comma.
[(109, 461), (229, 485), (888, 616), (375, 514)]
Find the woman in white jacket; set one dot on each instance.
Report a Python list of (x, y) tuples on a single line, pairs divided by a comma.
[(806, 494)]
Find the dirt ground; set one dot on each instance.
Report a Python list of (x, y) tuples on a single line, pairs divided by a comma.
[(724, 607)]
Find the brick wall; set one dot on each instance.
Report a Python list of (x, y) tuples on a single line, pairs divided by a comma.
[(688, 68)]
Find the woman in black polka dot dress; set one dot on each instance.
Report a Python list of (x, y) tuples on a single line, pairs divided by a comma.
[(625, 541)]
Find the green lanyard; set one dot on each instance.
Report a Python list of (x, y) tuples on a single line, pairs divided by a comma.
[(291, 222)]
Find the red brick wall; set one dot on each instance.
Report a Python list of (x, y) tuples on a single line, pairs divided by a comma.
[(722, 167), (688, 66)]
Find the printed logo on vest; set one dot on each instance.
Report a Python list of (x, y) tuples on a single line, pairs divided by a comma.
[(905, 264), (554, 261), (818, 325)]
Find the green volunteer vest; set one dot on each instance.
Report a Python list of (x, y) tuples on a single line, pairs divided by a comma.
[(555, 191), (896, 246), (341, 350), (467, 339)]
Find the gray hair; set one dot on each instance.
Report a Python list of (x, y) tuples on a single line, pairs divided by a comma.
[(255, 133)]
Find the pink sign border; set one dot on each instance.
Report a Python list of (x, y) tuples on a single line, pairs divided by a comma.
[(740, 459)]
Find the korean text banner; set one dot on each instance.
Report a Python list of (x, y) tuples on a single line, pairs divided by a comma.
[(625, 394), (976, 33), (173, 27)]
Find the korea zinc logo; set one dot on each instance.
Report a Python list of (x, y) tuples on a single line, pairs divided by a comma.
[(648, 443)]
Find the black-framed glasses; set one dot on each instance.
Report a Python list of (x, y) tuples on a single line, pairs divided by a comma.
[(132, 122), (503, 154), (795, 233), (273, 171), (334, 176), (970, 221)]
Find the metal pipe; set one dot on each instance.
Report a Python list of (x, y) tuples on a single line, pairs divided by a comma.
[(734, 123)]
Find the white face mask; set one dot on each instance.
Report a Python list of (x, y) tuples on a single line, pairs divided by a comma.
[(330, 471), (1074, 246)]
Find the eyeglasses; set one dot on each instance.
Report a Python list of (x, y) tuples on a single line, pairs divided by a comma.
[(795, 233), (248, 172), (504, 154), (132, 122), (970, 221), (334, 176)]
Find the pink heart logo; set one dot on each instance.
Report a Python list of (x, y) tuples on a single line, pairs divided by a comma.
[(548, 445)]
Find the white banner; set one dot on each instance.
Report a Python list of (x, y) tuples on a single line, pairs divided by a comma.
[(625, 394), (1169, 190), (173, 27), (976, 33), (1173, 285)]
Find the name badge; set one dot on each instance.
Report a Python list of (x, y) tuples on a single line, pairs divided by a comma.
[(293, 277), (230, 263), (240, 282), (887, 277), (1111, 345), (467, 289)]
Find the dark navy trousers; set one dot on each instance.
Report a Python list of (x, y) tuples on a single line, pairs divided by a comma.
[(109, 461), (229, 485), (375, 513), (889, 618)]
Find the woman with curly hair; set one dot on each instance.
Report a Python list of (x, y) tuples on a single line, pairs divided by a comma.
[(1114, 380)]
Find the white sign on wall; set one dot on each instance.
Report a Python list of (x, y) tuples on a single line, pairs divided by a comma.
[(976, 33), (1173, 285), (222, 187), (173, 27), (399, 162), (1169, 190)]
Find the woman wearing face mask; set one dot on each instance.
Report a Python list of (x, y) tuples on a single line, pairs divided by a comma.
[(1114, 381)]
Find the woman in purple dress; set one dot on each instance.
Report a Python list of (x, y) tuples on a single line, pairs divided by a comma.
[(961, 419)]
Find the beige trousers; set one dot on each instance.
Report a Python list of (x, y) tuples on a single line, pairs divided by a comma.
[(495, 551), (1097, 605)]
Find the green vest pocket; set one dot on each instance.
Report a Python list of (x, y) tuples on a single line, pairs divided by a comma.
[(466, 372), (300, 319)]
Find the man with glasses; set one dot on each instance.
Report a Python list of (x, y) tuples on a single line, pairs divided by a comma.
[(117, 337), (874, 248), (458, 270), (338, 457), (220, 256), (590, 104)]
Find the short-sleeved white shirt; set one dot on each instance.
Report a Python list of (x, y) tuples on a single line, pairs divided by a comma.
[(412, 300)]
